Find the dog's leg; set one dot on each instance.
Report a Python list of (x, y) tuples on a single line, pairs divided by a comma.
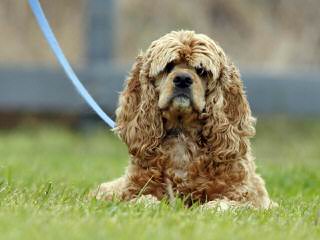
[(117, 189), (112, 190), (250, 194), (258, 194), (146, 200), (224, 205)]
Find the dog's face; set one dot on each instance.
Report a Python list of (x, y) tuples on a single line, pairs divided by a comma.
[(184, 80), (182, 87)]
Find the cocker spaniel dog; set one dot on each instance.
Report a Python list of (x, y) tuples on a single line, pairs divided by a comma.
[(186, 121)]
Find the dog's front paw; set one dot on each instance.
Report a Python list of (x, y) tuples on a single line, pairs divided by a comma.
[(146, 200), (273, 205), (110, 190), (105, 192), (222, 205)]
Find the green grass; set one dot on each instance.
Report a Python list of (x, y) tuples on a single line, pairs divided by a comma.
[(47, 172)]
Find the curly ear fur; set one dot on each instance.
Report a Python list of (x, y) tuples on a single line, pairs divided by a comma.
[(138, 120), (229, 124)]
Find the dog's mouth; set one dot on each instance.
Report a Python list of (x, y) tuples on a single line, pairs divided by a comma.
[(181, 111), (180, 102), (181, 99)]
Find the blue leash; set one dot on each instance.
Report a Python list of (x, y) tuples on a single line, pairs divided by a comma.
[(51, 39)]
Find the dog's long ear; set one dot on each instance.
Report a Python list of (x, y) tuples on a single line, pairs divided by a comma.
[(229, 121), (139, 122)]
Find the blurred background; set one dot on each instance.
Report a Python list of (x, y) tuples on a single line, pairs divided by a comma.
[(54, 150), (276, 45)]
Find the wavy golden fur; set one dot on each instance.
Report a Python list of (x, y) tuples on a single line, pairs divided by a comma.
[(195, 144)]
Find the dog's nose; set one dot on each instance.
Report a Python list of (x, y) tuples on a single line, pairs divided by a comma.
[(182, 80)]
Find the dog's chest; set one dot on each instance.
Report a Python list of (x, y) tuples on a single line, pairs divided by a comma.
[(179, 157), (179, 154)]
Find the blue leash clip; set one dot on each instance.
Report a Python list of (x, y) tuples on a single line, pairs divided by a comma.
[(51, 39)]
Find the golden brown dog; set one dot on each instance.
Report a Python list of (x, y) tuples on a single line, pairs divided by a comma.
[(186, 121)]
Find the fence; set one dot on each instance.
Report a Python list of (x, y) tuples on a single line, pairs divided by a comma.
[(46, 90)]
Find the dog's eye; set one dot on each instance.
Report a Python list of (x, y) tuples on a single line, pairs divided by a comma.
[(202, 72), (169, 67)]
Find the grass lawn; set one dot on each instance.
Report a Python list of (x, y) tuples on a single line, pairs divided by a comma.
[(46, 173)]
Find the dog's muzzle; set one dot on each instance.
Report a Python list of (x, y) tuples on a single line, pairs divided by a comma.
[(182, 96), (182, 81), (182, 86)]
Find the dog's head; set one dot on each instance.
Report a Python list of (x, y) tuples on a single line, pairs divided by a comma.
[(182, 79)]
